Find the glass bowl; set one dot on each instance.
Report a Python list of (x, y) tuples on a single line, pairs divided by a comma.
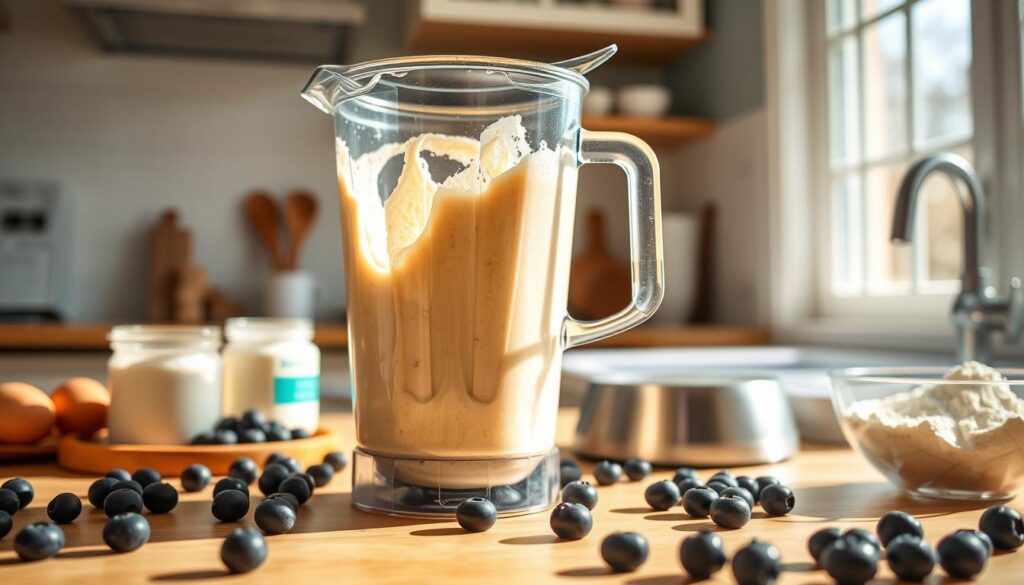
[(940, 457)]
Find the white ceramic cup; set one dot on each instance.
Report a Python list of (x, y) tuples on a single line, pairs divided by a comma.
[(680, 233), (290, 294)]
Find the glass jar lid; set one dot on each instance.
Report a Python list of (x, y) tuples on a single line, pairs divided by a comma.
[(198, 336)]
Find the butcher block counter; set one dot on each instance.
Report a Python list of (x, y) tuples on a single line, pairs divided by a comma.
[(333, 542)]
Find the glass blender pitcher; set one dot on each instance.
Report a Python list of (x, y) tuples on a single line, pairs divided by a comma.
[(457, 179)]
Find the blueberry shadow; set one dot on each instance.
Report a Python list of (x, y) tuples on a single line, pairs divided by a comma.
[(631, 511), (661, 580), (448, 531), (10, 561), (798, 567), (707, 526), (868, 501), (535, 539), (84, 554), (191, 575), (586, 572), (668, 517)]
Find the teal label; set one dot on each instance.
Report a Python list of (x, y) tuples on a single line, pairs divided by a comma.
[(292, 390)]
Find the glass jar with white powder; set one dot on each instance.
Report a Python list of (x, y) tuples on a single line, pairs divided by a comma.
[(274, 366), (165, 383)]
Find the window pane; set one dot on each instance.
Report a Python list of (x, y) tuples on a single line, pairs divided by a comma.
[(840, 14), (888, 265), (885, 86), (870, 8), (942, 226), (942, 61), (847, 240), (844, 104)]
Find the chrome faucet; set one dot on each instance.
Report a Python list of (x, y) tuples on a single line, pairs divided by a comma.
[(977, 312)]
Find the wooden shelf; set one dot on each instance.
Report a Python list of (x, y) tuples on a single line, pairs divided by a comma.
[(664, 132), (93, 336)]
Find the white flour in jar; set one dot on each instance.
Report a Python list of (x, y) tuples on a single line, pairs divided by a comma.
[(956, 436)]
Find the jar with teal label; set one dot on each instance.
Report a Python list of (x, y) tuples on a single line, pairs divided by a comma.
[(274, 366)]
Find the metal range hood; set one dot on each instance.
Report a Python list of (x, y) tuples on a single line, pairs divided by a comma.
[(299, 31)]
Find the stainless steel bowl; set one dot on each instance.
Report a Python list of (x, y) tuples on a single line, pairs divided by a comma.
[(686, 419)]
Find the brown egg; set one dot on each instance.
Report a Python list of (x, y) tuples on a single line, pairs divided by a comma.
[(81, 405), (26, 413)]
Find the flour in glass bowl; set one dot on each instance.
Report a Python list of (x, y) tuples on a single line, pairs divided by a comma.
[(951, 436)]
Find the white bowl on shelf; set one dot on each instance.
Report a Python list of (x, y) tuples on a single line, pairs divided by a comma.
[(598, 101), (644, 99)]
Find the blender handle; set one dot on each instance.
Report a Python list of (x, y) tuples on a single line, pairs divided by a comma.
[(647, 267)]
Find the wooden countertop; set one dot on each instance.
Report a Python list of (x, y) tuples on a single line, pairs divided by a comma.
[(334, 542), (93, 336)]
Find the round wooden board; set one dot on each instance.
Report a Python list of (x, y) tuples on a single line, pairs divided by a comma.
[(40, 451), (96, 456)]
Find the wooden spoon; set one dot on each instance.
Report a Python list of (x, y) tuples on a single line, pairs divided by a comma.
[(299, 214), (262, 213)]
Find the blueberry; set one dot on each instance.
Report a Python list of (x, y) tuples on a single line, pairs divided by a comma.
[(990, 547), (686, 484), (289, 499), (297, 486), (963, 555), (569, 462), (865, 536), (702, 554), (225, 437), (309, 481), (128, 485), (1004, 526), (820, 540), (126, 532), (740, 492), (252, 419), (718, 486), (850, 561), (243, 550), (160, 498), (337, 460), (697, 501), (569, 473), (624, 551), (756, 564), (730, 511), (228, 423), (244, 469), (195, 477), (230, 506), (98, 491), (750, 484), (275, 431), (607, 472), (119, 474), (275, 457), (292, 464), (637, 469), (662, 495), (9, 501), (146, 476), (910, 558), (274, 516), (38, 541), (725, 477), (571, 521), (252, 436), (322, 474), (122, 501), (202, 438), (64, 508), (580, 492), (764, 481), (22, 488), (777, 500), (682, 473), (273, 475), (893, 524), (300, 434), (476, 514), (6, 523), (230, 483)]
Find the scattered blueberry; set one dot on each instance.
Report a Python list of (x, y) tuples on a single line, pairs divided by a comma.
[(724, 477), (750, 484), (662, 495), (289, 499), (764, 481), (275, 457), (128, 485), (777, 500), (568, 461), (252, 419), (230, 506), (225, 437), (309, 481), (243, 550), (230, 483), (292, 464), (580, 492), (322, 474), (252, 436), (119, 474), (683, 473), (476, 514), (1004, 526), (697, 501), (146, 476), (820, 540), (244, 469), (756, 564), (160, 498), (274, 516), (910, 558), (273, 475), (730, 511), (702, 554), (300, 434), (64, 508), (637, 469), (624, 551), (22, 488), (337, 460), (865, 536), (569, 473), (686, 484), (122, 501), (38, 541), (718, 486), (98, 491), (9, 501), (607, 472), (990, 547), (195, 478), (571, 521), (126, 532), (963, 555), (893, 524), (741, 492), (6, 523), (850, 561), (275, 431), (297, 486)]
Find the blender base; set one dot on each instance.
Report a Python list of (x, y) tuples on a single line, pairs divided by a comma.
[(434, 488)]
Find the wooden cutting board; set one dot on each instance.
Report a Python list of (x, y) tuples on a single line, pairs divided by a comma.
[(170, 252), (599, 285)]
